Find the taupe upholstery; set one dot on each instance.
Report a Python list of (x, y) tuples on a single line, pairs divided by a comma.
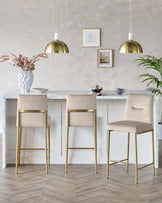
[(138, 115), (32, 102), (139, 108), (138, 119), (81, 101), (81, 112), (32, 119), (130, 126)]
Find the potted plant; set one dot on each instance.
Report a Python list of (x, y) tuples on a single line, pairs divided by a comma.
[(26, 66), (154, 82)]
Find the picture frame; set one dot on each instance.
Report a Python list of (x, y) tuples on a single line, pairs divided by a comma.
[(105, 58), (91, 37)]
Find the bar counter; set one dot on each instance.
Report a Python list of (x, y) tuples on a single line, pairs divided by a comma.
[(110, 107)]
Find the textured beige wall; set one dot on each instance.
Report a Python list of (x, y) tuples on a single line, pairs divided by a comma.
[(26, 26)]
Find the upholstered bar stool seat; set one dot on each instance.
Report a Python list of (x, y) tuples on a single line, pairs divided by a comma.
[(32, 111), (138, 120), (130, 126)]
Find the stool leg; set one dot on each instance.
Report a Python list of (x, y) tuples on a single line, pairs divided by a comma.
[(67, 143), (49, 144), (17, 152), (20, 144), (46, 149), (136, 158), (108, 153), (95, 140), (153, 155), (128, 152)]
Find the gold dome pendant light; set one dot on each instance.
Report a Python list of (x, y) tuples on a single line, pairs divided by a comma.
[(130, 46), (56, 46)]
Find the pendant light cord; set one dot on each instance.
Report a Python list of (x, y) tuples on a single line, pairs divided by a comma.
[(130, 16), (56, 18)]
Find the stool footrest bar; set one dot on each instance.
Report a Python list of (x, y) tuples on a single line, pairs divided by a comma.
[(32, 149), (81, 148), (145, 166), (120, 161)]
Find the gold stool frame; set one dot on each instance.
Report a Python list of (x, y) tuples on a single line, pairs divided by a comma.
[(19, 135), (136, 155), (95, 135)]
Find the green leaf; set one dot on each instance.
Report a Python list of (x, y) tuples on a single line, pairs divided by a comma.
[(155, 91), (151, 62)]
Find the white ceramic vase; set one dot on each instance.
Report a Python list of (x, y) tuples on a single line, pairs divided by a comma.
[(25, 80)]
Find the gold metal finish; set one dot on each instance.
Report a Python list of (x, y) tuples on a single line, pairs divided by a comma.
[(17, 151), (32, 111), (20, 144), (95, 135), (81, 110), (128, 151), (136, 155), (145, 166), (108, 153), (120, 161), (130, 46), (32, 148), (19, 135), (56, 46), (81, 148)]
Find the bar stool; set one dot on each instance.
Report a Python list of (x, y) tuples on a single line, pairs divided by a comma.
[(138, 120), (81, 112), (32, 112)]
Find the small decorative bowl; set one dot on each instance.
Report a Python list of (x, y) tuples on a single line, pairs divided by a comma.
[(40, 90)]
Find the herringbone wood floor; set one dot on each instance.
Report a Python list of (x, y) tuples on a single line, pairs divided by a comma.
[(80, 185)]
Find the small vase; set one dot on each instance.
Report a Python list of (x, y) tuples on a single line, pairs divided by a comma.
[(25, 80)]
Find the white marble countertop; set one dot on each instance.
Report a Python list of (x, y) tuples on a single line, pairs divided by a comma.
[(62, 94)]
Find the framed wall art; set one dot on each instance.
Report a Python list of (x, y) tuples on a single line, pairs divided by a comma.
[(105, 58), (91, 37)]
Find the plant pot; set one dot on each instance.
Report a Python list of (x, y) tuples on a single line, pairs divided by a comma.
[(160, 130), (25, 80)]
